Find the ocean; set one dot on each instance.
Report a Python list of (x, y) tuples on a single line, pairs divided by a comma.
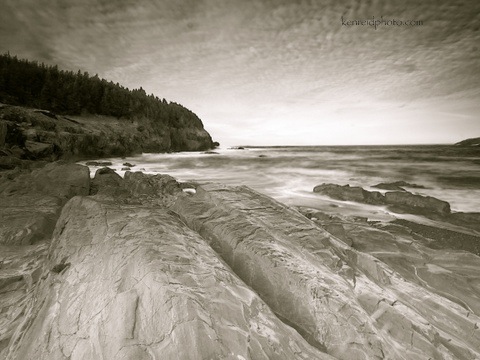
[(289, 173)]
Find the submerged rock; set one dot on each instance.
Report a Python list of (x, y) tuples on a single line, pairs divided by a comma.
[(350, 193), (398, 186), (402, 201), (98, 163)]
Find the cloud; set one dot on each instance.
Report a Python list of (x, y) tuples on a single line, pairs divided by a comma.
[(263, 62)]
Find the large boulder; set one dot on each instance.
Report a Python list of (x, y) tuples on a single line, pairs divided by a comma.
[(133, 282)]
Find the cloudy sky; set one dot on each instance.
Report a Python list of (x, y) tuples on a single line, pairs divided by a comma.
[(268, 72)]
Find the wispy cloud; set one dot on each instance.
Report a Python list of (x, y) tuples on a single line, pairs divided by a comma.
[(265, 62)]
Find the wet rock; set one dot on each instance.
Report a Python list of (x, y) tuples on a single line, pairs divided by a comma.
[(468, 220), (127, 164), (98, 163), (440, 238), (350, 193), (141, 285), (402, 201), (398, 186), (417, 203)]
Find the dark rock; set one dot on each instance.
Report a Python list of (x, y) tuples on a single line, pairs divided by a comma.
[(10, 162), (47, 113), (106, 181), (389, 186), (215, 144), (3, 133), (98, 163), (39, 150), (210, 152), (469, 220), (397, 186), (403, 201), (127, 164), (417, 203), (339, 192), (14, 136), (126, 169), (439, 238), (262, 156), (469, 142), (350, 193)]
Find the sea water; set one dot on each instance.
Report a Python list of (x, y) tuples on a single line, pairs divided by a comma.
[(289, 174)]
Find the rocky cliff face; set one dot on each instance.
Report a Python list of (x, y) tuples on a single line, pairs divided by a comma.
[(27, 134), (147, 268)]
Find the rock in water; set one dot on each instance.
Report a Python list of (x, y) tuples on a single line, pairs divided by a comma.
[(399, 200), (343, 301), (133, 282), (417, 203)]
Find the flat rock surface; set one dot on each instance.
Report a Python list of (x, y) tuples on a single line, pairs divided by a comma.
[(133, 282), (352, 302), (147, 268)]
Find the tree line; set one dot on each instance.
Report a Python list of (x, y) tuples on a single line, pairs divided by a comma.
[(33, 84)]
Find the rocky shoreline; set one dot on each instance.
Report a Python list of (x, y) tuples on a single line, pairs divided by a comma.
[(29, 136), (146, 267)]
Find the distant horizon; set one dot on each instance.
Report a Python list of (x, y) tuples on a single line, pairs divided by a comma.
[(325, 145)]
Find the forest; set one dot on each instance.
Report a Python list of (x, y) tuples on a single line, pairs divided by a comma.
[(33, 84)]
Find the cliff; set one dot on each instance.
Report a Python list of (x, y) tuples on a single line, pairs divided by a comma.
[(30, 134), (62, 114), (144, 267)]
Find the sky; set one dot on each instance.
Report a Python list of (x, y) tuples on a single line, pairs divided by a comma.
[(275, 72)]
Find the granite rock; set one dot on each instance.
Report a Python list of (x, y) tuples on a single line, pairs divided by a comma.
[(343, 300), (133, 282)]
